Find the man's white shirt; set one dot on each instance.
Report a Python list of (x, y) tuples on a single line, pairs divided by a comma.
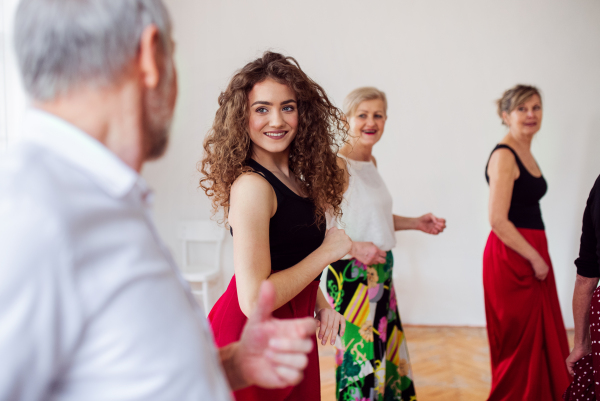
[(92, 306)]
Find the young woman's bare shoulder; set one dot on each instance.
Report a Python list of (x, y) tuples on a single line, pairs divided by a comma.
[(251, 184), (252, 194)]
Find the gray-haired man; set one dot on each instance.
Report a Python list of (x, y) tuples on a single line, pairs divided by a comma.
[(91, 304)]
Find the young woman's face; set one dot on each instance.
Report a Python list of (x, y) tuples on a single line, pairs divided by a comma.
[(526, 119), (367, 122), (273, 116)]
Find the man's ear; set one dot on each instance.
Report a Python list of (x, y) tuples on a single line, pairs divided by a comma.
[(149, 56)]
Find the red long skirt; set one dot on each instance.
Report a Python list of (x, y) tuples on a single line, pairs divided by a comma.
[(227, 321), (528, 340), (586, 382)]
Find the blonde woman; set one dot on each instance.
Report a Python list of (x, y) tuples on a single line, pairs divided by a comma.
[(372, 361), (528, 341)]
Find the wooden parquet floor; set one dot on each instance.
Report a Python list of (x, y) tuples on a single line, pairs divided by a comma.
[(449, 363)]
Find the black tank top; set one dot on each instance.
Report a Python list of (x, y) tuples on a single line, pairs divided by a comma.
[(293, 229), (524, 209)]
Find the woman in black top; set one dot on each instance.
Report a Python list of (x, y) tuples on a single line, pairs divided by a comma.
[(584, 361), (528, 341), (270, 164)]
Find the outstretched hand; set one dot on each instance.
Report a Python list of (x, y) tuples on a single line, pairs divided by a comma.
[(272, 353), (430, 224)]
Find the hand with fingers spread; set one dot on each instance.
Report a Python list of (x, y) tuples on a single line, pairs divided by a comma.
[(271, 353), (330, 323), (367, 253), (430, 224)]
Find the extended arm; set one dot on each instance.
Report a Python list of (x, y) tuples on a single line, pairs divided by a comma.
[(503, 171), (428, 223), (253, 202)]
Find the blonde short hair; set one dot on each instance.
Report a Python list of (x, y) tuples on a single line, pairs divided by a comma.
[(359, 95), (514, 97)]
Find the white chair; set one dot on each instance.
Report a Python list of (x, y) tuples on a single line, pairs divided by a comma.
[(204, 231)]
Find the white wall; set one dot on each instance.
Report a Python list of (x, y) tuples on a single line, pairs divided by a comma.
[(442, 65)]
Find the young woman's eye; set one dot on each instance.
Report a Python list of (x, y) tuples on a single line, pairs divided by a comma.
[(288, 108), (261, 110)]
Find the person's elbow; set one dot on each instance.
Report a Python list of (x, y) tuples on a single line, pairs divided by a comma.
[(498, 223), (247, 303), (586, 285)]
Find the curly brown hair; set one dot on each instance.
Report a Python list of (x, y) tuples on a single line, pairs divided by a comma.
[(313, 154)]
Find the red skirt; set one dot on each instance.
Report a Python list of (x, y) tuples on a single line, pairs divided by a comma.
[(528, 340), (228, 320), (586, 382)]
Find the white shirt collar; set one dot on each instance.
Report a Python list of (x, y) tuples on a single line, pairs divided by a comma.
[(69, 142)]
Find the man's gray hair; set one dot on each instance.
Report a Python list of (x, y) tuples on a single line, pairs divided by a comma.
[(65, 44)]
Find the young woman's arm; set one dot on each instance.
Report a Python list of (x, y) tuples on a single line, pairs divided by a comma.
[(503, 171), (253, 203)]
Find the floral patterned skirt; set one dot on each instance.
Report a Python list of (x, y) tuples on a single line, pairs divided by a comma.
[(372, 362)]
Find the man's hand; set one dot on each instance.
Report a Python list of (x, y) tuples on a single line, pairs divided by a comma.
[(271, 353)]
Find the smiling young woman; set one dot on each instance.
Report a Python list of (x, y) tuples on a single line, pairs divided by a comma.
[(528, 340), (270, 164)]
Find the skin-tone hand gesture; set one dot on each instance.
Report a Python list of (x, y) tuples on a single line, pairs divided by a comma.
[(540, 268), (271, 353), (577, 353), (367, 253), (329, 321), (336, 244), (430, 224)]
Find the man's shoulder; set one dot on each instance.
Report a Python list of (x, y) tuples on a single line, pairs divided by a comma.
[(37, 187), (28, 171)]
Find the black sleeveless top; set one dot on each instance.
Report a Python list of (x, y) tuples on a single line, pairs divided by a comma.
[(524, 209), (293, 229)]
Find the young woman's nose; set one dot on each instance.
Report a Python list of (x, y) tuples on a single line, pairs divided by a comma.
[(276, 120)]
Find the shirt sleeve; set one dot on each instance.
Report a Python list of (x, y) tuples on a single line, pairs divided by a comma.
[(588, 262), (38, 309)]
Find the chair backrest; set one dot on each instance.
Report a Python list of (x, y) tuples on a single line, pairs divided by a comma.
[(201, 231)]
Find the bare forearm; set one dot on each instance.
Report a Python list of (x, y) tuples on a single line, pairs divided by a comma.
[(582, 297), (290, 282), (508, 233), (405, 223), (234, 374)]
